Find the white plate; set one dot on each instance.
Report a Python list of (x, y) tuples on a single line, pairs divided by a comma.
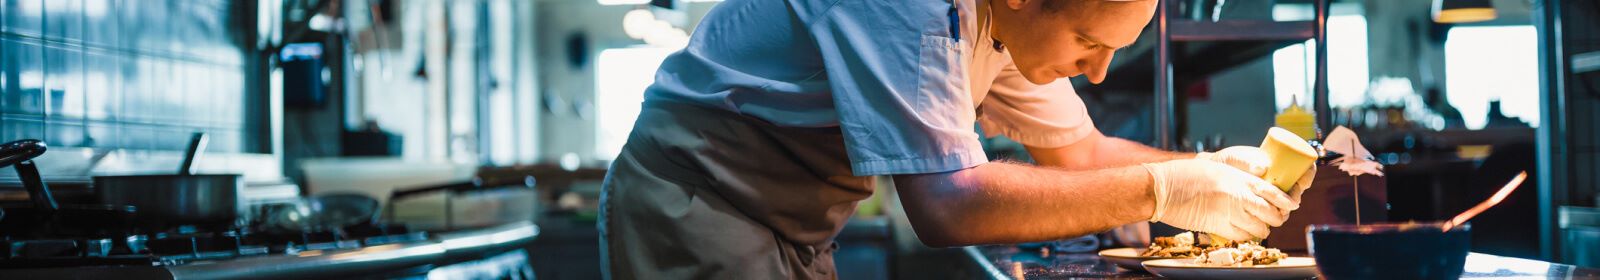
[(1290, 268), (1129, 258)]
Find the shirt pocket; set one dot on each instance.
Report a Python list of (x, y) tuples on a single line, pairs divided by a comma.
[(943, 99)]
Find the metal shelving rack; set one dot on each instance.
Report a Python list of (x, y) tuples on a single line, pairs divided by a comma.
[(1169, 30)]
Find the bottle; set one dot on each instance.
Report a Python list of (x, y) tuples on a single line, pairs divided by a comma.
[(1297, 120)]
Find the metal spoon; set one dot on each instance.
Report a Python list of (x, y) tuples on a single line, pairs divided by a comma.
[(1498, 196)]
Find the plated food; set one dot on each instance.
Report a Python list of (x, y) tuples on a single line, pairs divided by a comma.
[(1182, 245), (1223, 253), (1247, 253), (1220, 259)]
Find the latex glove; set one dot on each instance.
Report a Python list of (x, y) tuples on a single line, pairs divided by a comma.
[(1247, 158), (1253, 160), (1206, 196), (1300, 187)]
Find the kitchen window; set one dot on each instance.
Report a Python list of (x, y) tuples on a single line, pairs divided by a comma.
[(1488, 63), (621, 76), (1294, 66)]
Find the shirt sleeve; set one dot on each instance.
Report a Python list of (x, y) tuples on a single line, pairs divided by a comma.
[(1050, 115), (899, 84)]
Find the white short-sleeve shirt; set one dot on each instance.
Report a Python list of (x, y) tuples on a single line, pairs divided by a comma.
[(905, 81)]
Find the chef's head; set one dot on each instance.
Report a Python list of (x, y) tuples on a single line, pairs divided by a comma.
[(1050, 39)]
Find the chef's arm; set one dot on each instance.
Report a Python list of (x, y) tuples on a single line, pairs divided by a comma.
[(1099, 151), (1001, 202)]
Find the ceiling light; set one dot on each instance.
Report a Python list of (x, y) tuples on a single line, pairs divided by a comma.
[(1462, 11)]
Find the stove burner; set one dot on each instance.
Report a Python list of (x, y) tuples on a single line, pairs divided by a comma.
[(187, 244), (201, 246)]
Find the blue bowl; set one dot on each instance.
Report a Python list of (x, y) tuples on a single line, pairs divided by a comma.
[(1389, 251)]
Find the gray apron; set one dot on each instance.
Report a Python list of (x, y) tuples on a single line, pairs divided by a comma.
[(701, 193)]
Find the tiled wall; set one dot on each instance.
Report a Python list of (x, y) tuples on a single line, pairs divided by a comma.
[(127, 74)]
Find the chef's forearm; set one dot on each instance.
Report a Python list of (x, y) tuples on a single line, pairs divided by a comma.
[(1010, 203), (1099, 151)]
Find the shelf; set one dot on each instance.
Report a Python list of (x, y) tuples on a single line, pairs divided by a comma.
[(1242, 30)]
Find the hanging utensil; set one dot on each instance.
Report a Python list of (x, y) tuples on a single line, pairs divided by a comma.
[(1498, 196)]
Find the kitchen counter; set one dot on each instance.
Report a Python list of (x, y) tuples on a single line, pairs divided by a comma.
[(445, 252), (1006, 261)]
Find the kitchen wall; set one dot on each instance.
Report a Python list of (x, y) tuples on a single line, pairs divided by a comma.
[(127, 74), (117, 86)]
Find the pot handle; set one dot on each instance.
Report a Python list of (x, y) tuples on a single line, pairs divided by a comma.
[(19, 154), (37, 191), (197, 143), (19, 151)]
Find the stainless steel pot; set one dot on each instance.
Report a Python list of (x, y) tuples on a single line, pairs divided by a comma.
[(178, 199)]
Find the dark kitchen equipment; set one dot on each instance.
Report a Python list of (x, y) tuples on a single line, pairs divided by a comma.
[(346, 209), (178, 199), (287, 217), (1390, 251), (42, 215), (329, 211), (451, 190)]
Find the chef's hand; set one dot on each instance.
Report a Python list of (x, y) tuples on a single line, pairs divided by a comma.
[(1249, 159), (1254, 161), (1300, 187), (1206, 196)]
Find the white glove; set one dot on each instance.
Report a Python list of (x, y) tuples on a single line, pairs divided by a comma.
[(1301, 186), (1254, 161), (1206, 196), (1249, 159)]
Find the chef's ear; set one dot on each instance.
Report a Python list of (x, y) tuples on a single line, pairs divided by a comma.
[(1018, 4)]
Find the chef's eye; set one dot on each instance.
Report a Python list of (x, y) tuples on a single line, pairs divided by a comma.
[(1087, 44)]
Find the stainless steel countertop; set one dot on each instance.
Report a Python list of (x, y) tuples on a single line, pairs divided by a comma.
[(1006, 262), (442, 248)]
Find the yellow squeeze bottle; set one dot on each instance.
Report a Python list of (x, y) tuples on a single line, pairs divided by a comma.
[(1298, 120), (1291, 157)]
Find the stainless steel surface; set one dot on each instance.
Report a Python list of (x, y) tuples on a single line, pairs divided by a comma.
[(1585, 62), (1003, 261), (1580, 228), (1242, 30), (1319, 91), (987, 266), (1557, 166), (443, 248), (1164, 126)]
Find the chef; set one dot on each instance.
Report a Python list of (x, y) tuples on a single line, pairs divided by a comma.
[(757, 140)]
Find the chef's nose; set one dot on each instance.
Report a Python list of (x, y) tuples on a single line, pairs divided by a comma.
[(1095, 65)]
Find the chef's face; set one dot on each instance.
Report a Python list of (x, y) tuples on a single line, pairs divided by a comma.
[(1068, 38)]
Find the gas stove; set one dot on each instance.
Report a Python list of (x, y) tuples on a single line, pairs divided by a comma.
[(187, 244), (240, 254), (196, 226)]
